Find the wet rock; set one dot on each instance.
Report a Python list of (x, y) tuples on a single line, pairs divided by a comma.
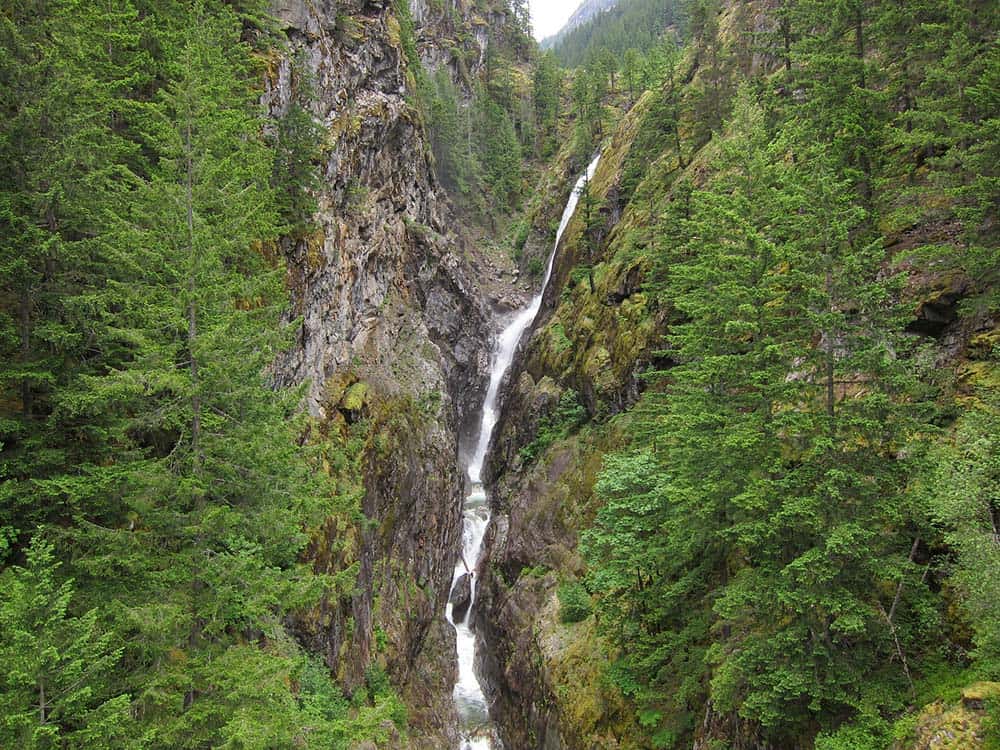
[(393, 330), (461, 597)]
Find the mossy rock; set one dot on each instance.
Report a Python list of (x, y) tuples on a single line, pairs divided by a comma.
[(355, 397), (315, 249), (981, 345), (979, 374), (975, 696), (394, 31), (947, 726)]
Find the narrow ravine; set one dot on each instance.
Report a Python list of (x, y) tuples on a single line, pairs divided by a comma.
[(474, 722)]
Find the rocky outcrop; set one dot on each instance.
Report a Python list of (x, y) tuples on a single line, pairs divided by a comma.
[(461, 597), (544, 676), (391, 346), (945, 726)]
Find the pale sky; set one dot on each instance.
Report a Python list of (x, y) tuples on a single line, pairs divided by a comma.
[(548, 16)]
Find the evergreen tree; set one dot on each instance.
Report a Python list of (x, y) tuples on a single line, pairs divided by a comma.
[(782, 430), (55, 687), (500, 154), (455, 167), (216, 496), (547, 88), (67, 71), (961, 487), (631, 64), (296, 141)]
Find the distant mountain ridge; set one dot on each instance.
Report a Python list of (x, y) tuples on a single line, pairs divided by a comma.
[(615, 26), (588, 10)]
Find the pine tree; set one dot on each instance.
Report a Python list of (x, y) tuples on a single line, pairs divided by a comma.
[(777, 442), (961, 487), (217, 495), (949, 130), (55, 687), (296, 143), (631, 64), (500, 154), (67, 70), (547, 89)]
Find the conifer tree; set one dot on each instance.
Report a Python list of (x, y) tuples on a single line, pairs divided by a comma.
[(547, 86), (780, 437), (56, 689), (217, 496), (67, 70)]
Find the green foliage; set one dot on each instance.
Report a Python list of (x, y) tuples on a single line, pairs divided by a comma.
[(565, 419), (500, 153), (141, 307), (631, 24), (296, 144), (535, 571), (547, 87), (574, 602), (659, 126), (991, 726), (590, 87), (749, 543), (449, 126), (961, 490), (57, 690)]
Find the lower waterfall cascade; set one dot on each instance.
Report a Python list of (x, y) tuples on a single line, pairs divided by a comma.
[(474, 722)]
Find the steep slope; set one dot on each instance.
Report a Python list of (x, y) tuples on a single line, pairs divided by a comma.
[(391, 343), (588, 10), (581, 398), (616, 28)]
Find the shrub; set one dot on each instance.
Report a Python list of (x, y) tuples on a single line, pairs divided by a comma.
[(574, 602)]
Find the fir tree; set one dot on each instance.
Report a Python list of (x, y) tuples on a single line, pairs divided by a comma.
[(57, 690)]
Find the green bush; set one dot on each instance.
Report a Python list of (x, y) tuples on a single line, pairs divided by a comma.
[(566, 419), (574, 603)]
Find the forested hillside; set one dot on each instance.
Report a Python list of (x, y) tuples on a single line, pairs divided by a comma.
[(636, 24), (187, 554), (752, 460), (745, 479), (155, 502)]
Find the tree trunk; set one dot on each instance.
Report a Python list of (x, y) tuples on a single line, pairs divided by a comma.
[(24, 315), (192, 308)]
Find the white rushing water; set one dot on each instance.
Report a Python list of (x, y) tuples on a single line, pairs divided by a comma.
[(469, 699)]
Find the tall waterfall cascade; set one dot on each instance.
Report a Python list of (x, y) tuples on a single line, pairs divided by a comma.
[(473, 712)]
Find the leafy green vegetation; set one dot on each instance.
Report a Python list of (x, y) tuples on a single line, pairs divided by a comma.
[(156, 502), (567, 416), (574, 602), (798, 533)]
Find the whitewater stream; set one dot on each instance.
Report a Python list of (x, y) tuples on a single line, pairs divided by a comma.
[(473, 712)]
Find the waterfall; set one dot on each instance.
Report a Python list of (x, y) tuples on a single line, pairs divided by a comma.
[(469, 699)]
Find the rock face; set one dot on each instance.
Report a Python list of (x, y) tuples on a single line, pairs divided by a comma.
[(392, 337), (461, 598), (544, 677), (950, 726)]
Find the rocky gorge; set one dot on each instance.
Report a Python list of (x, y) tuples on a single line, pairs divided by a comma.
[(400, 306), (397, 327)]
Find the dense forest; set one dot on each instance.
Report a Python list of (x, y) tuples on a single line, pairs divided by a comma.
[(768, 382), (798, 527), (635, 25), (155, 501)]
